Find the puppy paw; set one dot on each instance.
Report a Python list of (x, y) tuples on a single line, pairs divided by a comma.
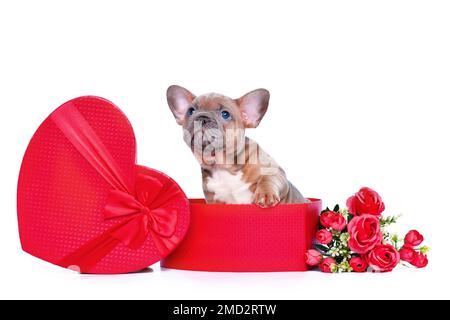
[(266, 198)]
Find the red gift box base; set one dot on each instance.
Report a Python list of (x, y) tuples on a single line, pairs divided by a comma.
[(246, 238)]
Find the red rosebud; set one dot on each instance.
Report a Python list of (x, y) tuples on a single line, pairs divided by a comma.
[(313, 257), (413, 238), (365, 233), (407, 254), (420, 260), (365, 201), (326, 264), (324, 236), (383, 258), (358, 264), (334, 220), (325, 218), (338, 222)]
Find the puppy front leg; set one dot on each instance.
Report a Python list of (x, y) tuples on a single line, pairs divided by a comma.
[(270, 189), (209, 197)]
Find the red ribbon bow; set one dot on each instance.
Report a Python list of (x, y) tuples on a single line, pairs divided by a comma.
[(149, 212)]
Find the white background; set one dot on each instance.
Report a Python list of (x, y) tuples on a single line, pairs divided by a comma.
[(360, 96)]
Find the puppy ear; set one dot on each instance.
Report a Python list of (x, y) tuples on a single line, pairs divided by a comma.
[(253, 106), (179, 100)]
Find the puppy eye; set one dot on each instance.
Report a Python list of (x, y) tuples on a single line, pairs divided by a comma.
[(226, 115), (190, 111)]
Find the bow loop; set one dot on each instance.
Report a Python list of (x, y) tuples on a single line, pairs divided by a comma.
[(120, 204), (148, 189), (161, 222)]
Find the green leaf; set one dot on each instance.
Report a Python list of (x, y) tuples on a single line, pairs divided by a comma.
[(336, 208), (321, 248), (349, 218), (386, 221), (424, 249)]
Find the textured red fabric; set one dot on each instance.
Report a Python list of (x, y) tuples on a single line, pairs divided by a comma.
[(65, 184), (246, 238)]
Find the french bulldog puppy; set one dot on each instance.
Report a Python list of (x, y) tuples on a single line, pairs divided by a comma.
[(235, 169)]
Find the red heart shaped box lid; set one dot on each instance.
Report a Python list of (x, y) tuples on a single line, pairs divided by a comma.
[(84, 204)]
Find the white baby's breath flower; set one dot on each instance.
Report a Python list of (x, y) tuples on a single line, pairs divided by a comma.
[(334, 252), (344, 212)]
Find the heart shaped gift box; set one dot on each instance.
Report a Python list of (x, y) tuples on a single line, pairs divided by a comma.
[(84, 204)]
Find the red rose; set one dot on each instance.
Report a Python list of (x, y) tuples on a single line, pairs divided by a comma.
[(326, 264), (420, 260), (334, 220), (407, 254), (324, 236), (366, 201), (358, 264), (313, 257), (325, 218), (364, 233), (383, 258), (338, 222), (413, 238)]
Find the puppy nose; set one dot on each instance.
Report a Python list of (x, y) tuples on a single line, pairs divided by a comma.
[(203, 119)]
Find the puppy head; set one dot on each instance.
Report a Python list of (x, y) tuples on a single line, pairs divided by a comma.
[(214, 125)]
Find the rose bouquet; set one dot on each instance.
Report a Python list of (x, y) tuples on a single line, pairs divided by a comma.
[(356, 239)]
